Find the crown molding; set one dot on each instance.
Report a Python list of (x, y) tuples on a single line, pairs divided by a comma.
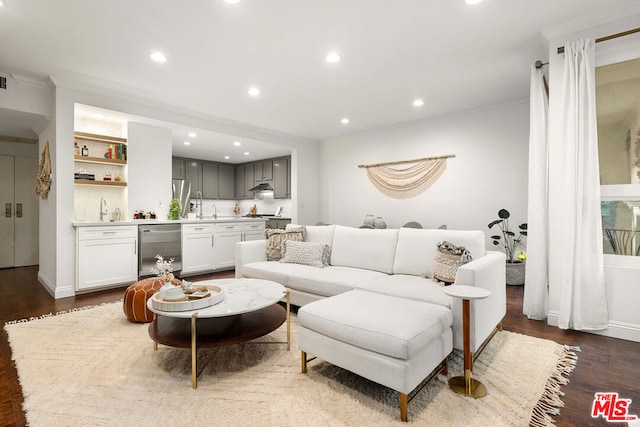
[(135, 95), (29, 81), (592, 21)]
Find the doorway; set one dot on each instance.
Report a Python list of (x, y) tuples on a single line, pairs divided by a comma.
[(19, 212)]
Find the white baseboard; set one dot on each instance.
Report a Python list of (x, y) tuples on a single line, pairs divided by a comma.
[(53, 290), (620, 330)]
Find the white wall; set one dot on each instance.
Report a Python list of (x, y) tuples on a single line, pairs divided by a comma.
[(622, 274), (149, 169), (47, 256), (489, 171)]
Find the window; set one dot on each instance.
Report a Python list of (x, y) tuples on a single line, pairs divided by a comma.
[(618, 112)]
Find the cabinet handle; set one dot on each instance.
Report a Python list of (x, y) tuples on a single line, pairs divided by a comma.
[(7, 210), (18, 210), (254, 226), (212, 240), (109, 232), (199, 228), (230, 227), (135, 246)]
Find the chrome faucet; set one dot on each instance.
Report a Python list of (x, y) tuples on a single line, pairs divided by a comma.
[(215, 212), (104, 212), (199, 196)]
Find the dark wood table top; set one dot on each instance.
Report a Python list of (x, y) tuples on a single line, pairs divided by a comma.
[(217, 331)]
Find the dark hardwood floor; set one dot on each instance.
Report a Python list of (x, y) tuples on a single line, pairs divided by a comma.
[(604, 365)]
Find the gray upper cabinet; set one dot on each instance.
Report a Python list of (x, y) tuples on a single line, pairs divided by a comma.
[(215, 180), (177, 168), (210, 180), (194, 175), (263, 171), (239, 182), (226, 182), (249, 180), (281, 178)]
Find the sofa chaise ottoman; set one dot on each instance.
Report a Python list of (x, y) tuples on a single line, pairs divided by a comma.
[(396, 342), (394, 262)]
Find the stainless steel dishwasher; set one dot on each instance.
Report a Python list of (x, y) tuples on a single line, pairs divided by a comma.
[(159, 239)]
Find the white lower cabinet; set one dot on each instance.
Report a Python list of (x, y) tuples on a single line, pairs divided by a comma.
[(106, 256), (198, 252), (226, 237)]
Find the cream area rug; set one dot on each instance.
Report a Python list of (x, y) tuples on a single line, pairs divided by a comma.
[(93, 367)]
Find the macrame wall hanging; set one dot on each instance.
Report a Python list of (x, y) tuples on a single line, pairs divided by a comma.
[(406, 181), (43, 180)]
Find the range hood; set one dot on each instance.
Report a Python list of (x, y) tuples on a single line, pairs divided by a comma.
[(261, 188)]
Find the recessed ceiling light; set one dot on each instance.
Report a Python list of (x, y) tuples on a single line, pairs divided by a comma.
[(158, 57), (227, 157), (472, 1), (345, 121), (187, 143), (192, 134), (246, 153), (253, 91), (237, 143), (332, 57), (2, 3), (418, 103), (95, 115), (232, 1)]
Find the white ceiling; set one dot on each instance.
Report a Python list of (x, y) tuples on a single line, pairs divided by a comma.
[(454, 56)]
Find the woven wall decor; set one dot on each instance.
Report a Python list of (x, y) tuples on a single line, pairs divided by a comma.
[(406, 181), (43, 180)]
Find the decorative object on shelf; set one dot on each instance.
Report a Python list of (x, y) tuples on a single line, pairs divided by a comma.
[(76, 148), (510, 242), (85, 151), (379, 223), (174, 209), (369, 220), (406, 182), (236, 209), (43, 181), (164, 270), (107, 175), (448, 260)]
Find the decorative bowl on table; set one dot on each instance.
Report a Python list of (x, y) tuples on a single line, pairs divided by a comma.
[(189, 301)]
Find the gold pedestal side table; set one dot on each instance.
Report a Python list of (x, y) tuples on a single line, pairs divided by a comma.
[(465, 384)]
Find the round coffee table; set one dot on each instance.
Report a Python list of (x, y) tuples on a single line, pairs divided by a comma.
[(249, 310)]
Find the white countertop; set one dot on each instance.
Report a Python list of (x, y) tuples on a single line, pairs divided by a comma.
[(165, 221)]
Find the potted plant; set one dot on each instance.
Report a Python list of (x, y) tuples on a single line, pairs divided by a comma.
[(510, 242), (174, 209)]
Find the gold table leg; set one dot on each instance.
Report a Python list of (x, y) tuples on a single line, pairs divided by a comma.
[(194, 350), (288, 321), (465, 384)]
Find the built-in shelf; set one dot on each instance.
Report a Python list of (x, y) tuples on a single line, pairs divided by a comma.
[(97, 182), (101, 160), (99, 138)]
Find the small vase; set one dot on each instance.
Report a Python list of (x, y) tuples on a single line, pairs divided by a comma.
[(163, 289), (369, 220), (379, 223)]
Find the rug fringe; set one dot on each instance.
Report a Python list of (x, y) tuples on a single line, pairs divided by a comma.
[(57, 313), (550, 402)]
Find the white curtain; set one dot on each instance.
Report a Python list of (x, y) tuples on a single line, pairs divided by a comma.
[(536, 293), (576, 264)]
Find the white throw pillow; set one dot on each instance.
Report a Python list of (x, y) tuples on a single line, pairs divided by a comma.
[(305, 253)]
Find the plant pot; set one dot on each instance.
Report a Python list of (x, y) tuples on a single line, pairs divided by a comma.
[(515, 273)]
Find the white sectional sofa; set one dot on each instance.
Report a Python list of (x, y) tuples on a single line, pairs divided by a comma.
[(395, 262)]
